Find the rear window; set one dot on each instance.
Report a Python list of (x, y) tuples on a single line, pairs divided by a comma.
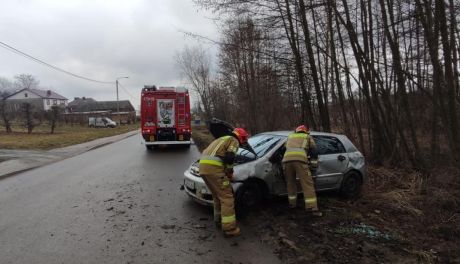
[(328, 145)]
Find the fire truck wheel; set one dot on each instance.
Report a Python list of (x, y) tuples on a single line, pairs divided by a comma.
[(149, 147)]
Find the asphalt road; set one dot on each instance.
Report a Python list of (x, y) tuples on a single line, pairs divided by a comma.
[(115, 204)]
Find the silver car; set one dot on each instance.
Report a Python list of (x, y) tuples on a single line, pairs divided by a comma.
[(258, 173)]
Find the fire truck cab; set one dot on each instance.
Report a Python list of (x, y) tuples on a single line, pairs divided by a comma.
[(165, 116)]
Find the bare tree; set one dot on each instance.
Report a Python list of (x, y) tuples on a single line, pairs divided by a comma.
[(195, 64), (26, 81), (381, 73), (6, 116), (28, 116), (6, 87), (53, 116)]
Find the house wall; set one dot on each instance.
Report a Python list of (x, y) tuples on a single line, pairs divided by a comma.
[(48, 103), (14, 105), (39, 102)]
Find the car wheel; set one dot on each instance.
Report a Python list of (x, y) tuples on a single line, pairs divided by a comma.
[(351, 185), (247, 198)]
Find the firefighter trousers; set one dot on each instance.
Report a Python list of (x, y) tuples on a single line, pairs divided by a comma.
[(222, 193), (300, 170)]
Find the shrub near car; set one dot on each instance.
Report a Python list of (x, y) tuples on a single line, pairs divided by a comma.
[(258, 172)]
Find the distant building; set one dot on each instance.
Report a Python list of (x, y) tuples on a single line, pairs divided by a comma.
[(85, 104), (78, 103), (81, 108), (41, 99)]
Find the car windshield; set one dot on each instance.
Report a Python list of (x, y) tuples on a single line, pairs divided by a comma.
[(261, 144)]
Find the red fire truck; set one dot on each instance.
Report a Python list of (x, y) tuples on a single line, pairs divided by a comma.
[(165, 116)]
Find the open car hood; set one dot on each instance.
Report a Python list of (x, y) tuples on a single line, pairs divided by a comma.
[(220, 128)]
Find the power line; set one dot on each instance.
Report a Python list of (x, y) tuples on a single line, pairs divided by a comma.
[(126, 91), (16, 51)]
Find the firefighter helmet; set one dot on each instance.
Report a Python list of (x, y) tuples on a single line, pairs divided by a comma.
[(301, 129), (241, 134)]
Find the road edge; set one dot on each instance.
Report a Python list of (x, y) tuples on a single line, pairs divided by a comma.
[(103, 143)]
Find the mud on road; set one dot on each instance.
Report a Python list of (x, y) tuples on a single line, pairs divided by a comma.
[(337, 237), (115, 204), (381, 226)]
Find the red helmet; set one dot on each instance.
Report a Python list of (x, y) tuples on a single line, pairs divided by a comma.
[(302, 129), (241, 134)]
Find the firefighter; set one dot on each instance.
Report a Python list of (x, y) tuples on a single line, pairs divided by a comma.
[(296, 165), (216, 169)]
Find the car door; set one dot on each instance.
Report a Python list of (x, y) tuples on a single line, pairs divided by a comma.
[(332, 161), (99, 122)]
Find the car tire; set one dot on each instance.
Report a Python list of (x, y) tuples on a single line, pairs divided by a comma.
[(351, 185), (247, 198)]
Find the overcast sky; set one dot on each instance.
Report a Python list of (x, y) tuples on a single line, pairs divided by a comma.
[(100, 39)]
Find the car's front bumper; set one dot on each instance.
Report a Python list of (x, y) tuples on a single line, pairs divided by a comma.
[(196, 188)]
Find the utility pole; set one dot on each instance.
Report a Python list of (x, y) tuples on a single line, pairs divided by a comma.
[(118, 103)]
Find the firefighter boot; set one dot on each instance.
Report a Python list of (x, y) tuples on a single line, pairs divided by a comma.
[(217, 220), (315, 213), (217, 213), (233, 232)]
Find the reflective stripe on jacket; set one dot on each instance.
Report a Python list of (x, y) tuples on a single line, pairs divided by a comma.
[(214, 153), (216, 161), (297, 147)]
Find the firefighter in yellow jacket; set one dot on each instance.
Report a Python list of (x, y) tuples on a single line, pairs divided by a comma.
[(216, 169), (295, 164)]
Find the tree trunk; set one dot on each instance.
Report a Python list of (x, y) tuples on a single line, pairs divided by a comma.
[(325, 123), (307, 115)]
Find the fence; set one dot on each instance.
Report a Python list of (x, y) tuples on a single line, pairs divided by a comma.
[(81, 118)]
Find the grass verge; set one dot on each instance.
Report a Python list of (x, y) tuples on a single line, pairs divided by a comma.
[(392, 222), (64, 135)]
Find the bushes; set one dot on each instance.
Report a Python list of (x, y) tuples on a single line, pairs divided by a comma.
[(201, 137)]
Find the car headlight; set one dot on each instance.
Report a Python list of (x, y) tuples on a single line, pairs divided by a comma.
[(194, 170)]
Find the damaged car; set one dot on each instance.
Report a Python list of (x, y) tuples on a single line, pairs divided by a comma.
[(258, 171)]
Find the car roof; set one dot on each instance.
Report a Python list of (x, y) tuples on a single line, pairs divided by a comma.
[(286, 133), (344, 139)]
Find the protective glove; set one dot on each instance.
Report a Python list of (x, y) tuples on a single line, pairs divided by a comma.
[(229, 176), (228, 170), (313, 164)]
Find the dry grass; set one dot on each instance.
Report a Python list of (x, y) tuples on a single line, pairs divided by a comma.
[(401, 200), (430, 220), (395, 190), (425, 257), (65, 135), (202, 137)]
